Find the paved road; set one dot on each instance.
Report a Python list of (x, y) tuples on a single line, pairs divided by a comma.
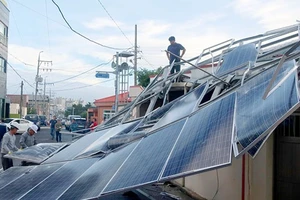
[(42, 136)]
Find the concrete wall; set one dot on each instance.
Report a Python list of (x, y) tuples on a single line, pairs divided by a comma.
[(258, 178)]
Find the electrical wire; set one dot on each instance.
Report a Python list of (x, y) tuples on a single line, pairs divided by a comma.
[(81, 73), (39, 13), (115, 22), (84, 86), (18, 58), (81, 35), (218, 184), (19, 75)]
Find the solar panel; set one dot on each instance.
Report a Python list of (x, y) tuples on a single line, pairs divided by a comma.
[(37, 153), (12, 174), (182, 108), (75, 148), (93, 181), (101, 143), (60, 181), (145, 164), (205, 141), (252, 121), (255, 149), (27, 181), (237, 57)]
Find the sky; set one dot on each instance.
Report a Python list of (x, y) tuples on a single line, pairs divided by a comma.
[(38, 26)]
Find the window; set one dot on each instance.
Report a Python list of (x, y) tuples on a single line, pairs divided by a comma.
[(108, 114), (3, 33), (2, 65)]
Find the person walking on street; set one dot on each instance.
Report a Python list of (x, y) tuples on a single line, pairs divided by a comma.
[(9, 145), (73, 125), (27, 138), (52, 126), (175, 49), (58, 127)]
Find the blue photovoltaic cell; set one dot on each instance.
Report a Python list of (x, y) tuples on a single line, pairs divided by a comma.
[(93, 181), (12, 174), (238, 56), (76, 147), (37, 153), (28, 181), (146, 162), (255, 115), (60, 180), (182, 108), (205, 141), (101, 143)]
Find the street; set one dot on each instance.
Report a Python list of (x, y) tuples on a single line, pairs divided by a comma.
[(42, 136)]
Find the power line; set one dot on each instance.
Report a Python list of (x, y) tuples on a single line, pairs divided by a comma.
[(81, 73), (83, 36), (39, 13), (19, 75), (84, 86), (115, 22)]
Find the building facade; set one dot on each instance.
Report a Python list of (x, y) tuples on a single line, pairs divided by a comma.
[(4, 19)]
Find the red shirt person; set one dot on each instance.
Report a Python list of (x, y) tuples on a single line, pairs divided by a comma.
[(94, 124)]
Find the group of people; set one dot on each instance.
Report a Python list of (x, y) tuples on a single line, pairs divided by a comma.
[(8, 144)]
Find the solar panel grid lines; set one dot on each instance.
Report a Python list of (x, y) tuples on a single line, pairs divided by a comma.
[(253, 122), (24, 184), (75, 148), (60, 180), (144, 165), (99, 144), (238, 57), (204, 145), (93, 181), (12, 174), (182, 108)]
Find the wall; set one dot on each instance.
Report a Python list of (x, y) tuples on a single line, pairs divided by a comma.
[(258, 178), (4, 18)]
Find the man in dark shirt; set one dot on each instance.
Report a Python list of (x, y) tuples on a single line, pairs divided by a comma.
[(175, 48), (52, 126)]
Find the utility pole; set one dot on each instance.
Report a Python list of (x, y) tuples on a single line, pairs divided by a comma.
[(37, 79), (44, 98), (135, 56), (117, 89), (21, 99)]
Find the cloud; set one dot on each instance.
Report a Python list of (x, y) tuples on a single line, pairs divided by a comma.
[(270, 14)]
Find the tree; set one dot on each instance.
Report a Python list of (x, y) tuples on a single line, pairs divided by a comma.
[(143, 75), (78, 110)]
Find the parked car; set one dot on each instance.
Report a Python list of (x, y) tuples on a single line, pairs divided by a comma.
[(82, 124), (34, 118), (24, 124), (43, 120), (69, 121)]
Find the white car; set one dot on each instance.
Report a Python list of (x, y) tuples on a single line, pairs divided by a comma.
[(23, 124)]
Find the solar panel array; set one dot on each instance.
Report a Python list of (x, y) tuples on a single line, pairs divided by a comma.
[(252, 120), (185, 140)]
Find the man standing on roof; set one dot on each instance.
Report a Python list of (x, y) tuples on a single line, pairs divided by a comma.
[(9, 145), (175, 48)]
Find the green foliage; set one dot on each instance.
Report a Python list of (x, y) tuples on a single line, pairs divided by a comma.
[(79, 109), (31, 110), (143, 75)]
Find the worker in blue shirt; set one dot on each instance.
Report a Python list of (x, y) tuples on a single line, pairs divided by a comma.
[(175, 48)]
